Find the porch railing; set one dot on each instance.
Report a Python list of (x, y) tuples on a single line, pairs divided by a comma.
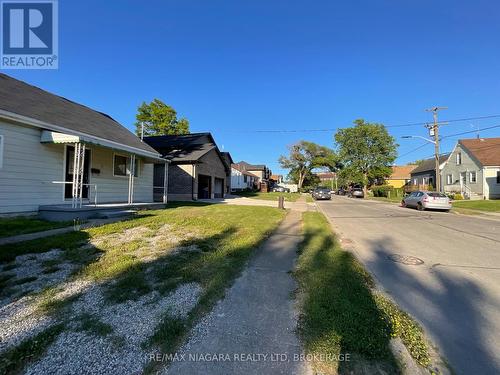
[(80, 200)]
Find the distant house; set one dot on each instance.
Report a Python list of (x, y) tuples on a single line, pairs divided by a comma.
[(424, 175), (276, 179), (198, 170), (400, 175), (327, 179), (260, 170), (59, 157), (473, 169), (242, 180)]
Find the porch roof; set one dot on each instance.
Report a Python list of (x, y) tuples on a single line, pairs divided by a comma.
[(63, 138)]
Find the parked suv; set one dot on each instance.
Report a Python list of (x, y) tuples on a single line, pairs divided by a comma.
[(423, 200)]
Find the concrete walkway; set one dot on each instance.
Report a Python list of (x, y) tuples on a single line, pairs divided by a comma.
[(252, 330)]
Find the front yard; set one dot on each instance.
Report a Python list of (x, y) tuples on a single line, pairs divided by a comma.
[(478, 205), (271, 196), (103, 299)]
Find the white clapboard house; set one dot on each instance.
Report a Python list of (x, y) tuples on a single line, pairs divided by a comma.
[(65, 160)]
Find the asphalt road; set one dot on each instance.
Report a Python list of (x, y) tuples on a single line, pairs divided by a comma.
[(454, 293)]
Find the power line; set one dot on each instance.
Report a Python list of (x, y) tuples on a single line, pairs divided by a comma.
[(471, 131), (440, 123)]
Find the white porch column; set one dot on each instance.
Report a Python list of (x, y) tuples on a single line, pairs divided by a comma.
[(78, 170), (131, 173)]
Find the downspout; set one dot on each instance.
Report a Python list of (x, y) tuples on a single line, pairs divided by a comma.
[(192, 181)]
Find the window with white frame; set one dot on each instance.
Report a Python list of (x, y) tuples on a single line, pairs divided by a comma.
[(449, 179), (472, 177), (459, 158), (1, 151), (121, 166)]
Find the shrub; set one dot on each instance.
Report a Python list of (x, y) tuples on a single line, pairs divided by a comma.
[(457, 197)]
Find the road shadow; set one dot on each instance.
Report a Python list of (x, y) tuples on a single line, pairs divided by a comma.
[(448, 305)]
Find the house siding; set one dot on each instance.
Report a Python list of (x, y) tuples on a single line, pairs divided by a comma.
[(30, 167), (491, 186), (112, 188), (469, 164)]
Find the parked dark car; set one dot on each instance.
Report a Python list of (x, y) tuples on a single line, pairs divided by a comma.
[(341, 191), (321, 193), (356, 193), (281, 189)]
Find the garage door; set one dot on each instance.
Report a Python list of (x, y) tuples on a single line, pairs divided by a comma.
[(219, 188)]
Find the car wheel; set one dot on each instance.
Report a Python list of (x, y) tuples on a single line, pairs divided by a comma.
[(420, 207)]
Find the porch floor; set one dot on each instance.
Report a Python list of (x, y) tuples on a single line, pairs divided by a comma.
[(63, 212)]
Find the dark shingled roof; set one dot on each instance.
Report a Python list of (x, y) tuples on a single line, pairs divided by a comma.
[(23, 99), (184, 149), (251, 167), (429, 164)]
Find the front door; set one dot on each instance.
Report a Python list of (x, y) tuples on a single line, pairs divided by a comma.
[(463, 176), (68, 173)]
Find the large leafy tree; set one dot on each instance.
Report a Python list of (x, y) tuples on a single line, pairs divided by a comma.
[(366, 151), (303, 157), (159, 118)]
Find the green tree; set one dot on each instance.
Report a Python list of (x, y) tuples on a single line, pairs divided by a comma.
[(303, 157), (159, 118), (366, 151)]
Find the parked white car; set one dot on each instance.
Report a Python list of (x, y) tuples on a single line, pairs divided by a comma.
[(422, 200)]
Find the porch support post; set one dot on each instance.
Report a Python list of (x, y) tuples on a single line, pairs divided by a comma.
[(131, 180), (80, 173), (165, 183), (75, 176)]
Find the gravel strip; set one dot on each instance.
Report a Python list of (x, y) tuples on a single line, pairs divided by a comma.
[(18, 322), (133, 323)]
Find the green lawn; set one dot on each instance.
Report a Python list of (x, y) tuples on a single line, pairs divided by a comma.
[(340, 311), (479, 205), (272, 196), (156, 250), (25, 224)]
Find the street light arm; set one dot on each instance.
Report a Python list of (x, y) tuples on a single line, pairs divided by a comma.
[(419, 136)]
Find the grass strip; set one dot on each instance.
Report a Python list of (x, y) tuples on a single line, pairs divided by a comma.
[(340, 314)]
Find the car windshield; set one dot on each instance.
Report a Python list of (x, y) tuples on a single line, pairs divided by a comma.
[(323, 190), (436, 195)]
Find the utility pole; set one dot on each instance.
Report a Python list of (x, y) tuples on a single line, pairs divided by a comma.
[(434, 131)]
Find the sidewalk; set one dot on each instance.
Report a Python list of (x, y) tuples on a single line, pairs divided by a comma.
[(253, 327)]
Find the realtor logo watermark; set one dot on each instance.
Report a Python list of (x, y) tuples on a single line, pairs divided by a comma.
[(29, 34)]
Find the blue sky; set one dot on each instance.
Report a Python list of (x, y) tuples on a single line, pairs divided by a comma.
[(233, 67)]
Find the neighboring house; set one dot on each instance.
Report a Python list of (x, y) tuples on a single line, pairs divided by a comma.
[(473, 169), (197, 170), (241, 179), (54, 151), (260, 170), (400, 176), (424, 175)]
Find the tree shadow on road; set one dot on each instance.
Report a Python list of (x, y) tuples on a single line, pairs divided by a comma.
[(447, 303)]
